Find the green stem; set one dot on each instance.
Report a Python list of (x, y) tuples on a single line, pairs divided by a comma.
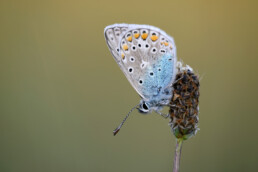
[(179, 143)]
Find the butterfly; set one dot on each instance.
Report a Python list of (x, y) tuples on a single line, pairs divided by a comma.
[(147, 57)]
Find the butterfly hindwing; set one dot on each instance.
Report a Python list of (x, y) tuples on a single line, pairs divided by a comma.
[(148, 57)]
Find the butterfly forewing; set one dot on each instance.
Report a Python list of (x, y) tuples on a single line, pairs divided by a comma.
[(113, 35)]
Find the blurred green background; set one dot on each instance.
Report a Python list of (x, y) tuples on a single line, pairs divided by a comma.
[(62, 94)]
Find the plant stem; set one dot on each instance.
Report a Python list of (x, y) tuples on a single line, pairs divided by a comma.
[(179, 143)]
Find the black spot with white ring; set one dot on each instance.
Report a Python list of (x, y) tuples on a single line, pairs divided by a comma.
[(162, 51), (132, 59), (133, 48), (154, 50), (130, 70), (140, 82)]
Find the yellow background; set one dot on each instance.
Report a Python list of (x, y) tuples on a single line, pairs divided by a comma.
[(62, 94)]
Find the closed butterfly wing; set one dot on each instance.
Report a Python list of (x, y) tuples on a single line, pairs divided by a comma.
[(147, 56)]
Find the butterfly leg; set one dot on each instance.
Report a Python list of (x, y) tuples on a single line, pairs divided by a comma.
[(162, 114)]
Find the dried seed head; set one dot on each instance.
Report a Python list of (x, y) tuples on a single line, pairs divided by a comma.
[(184, 107)]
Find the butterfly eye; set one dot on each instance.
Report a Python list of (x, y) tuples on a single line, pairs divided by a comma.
[(145, 107)]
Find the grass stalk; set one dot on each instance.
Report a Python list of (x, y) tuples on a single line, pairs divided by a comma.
[(179, 143)]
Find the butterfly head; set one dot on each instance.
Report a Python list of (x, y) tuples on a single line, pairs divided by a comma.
[(146, 107)]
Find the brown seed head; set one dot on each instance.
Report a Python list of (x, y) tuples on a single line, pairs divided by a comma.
[(184, 107)]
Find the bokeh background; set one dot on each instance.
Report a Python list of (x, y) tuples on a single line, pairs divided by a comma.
[(62, 94)]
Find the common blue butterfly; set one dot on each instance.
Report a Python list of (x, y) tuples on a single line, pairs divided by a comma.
[(147, 57)]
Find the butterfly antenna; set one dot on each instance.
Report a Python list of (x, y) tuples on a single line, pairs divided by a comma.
[(122, 123)]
